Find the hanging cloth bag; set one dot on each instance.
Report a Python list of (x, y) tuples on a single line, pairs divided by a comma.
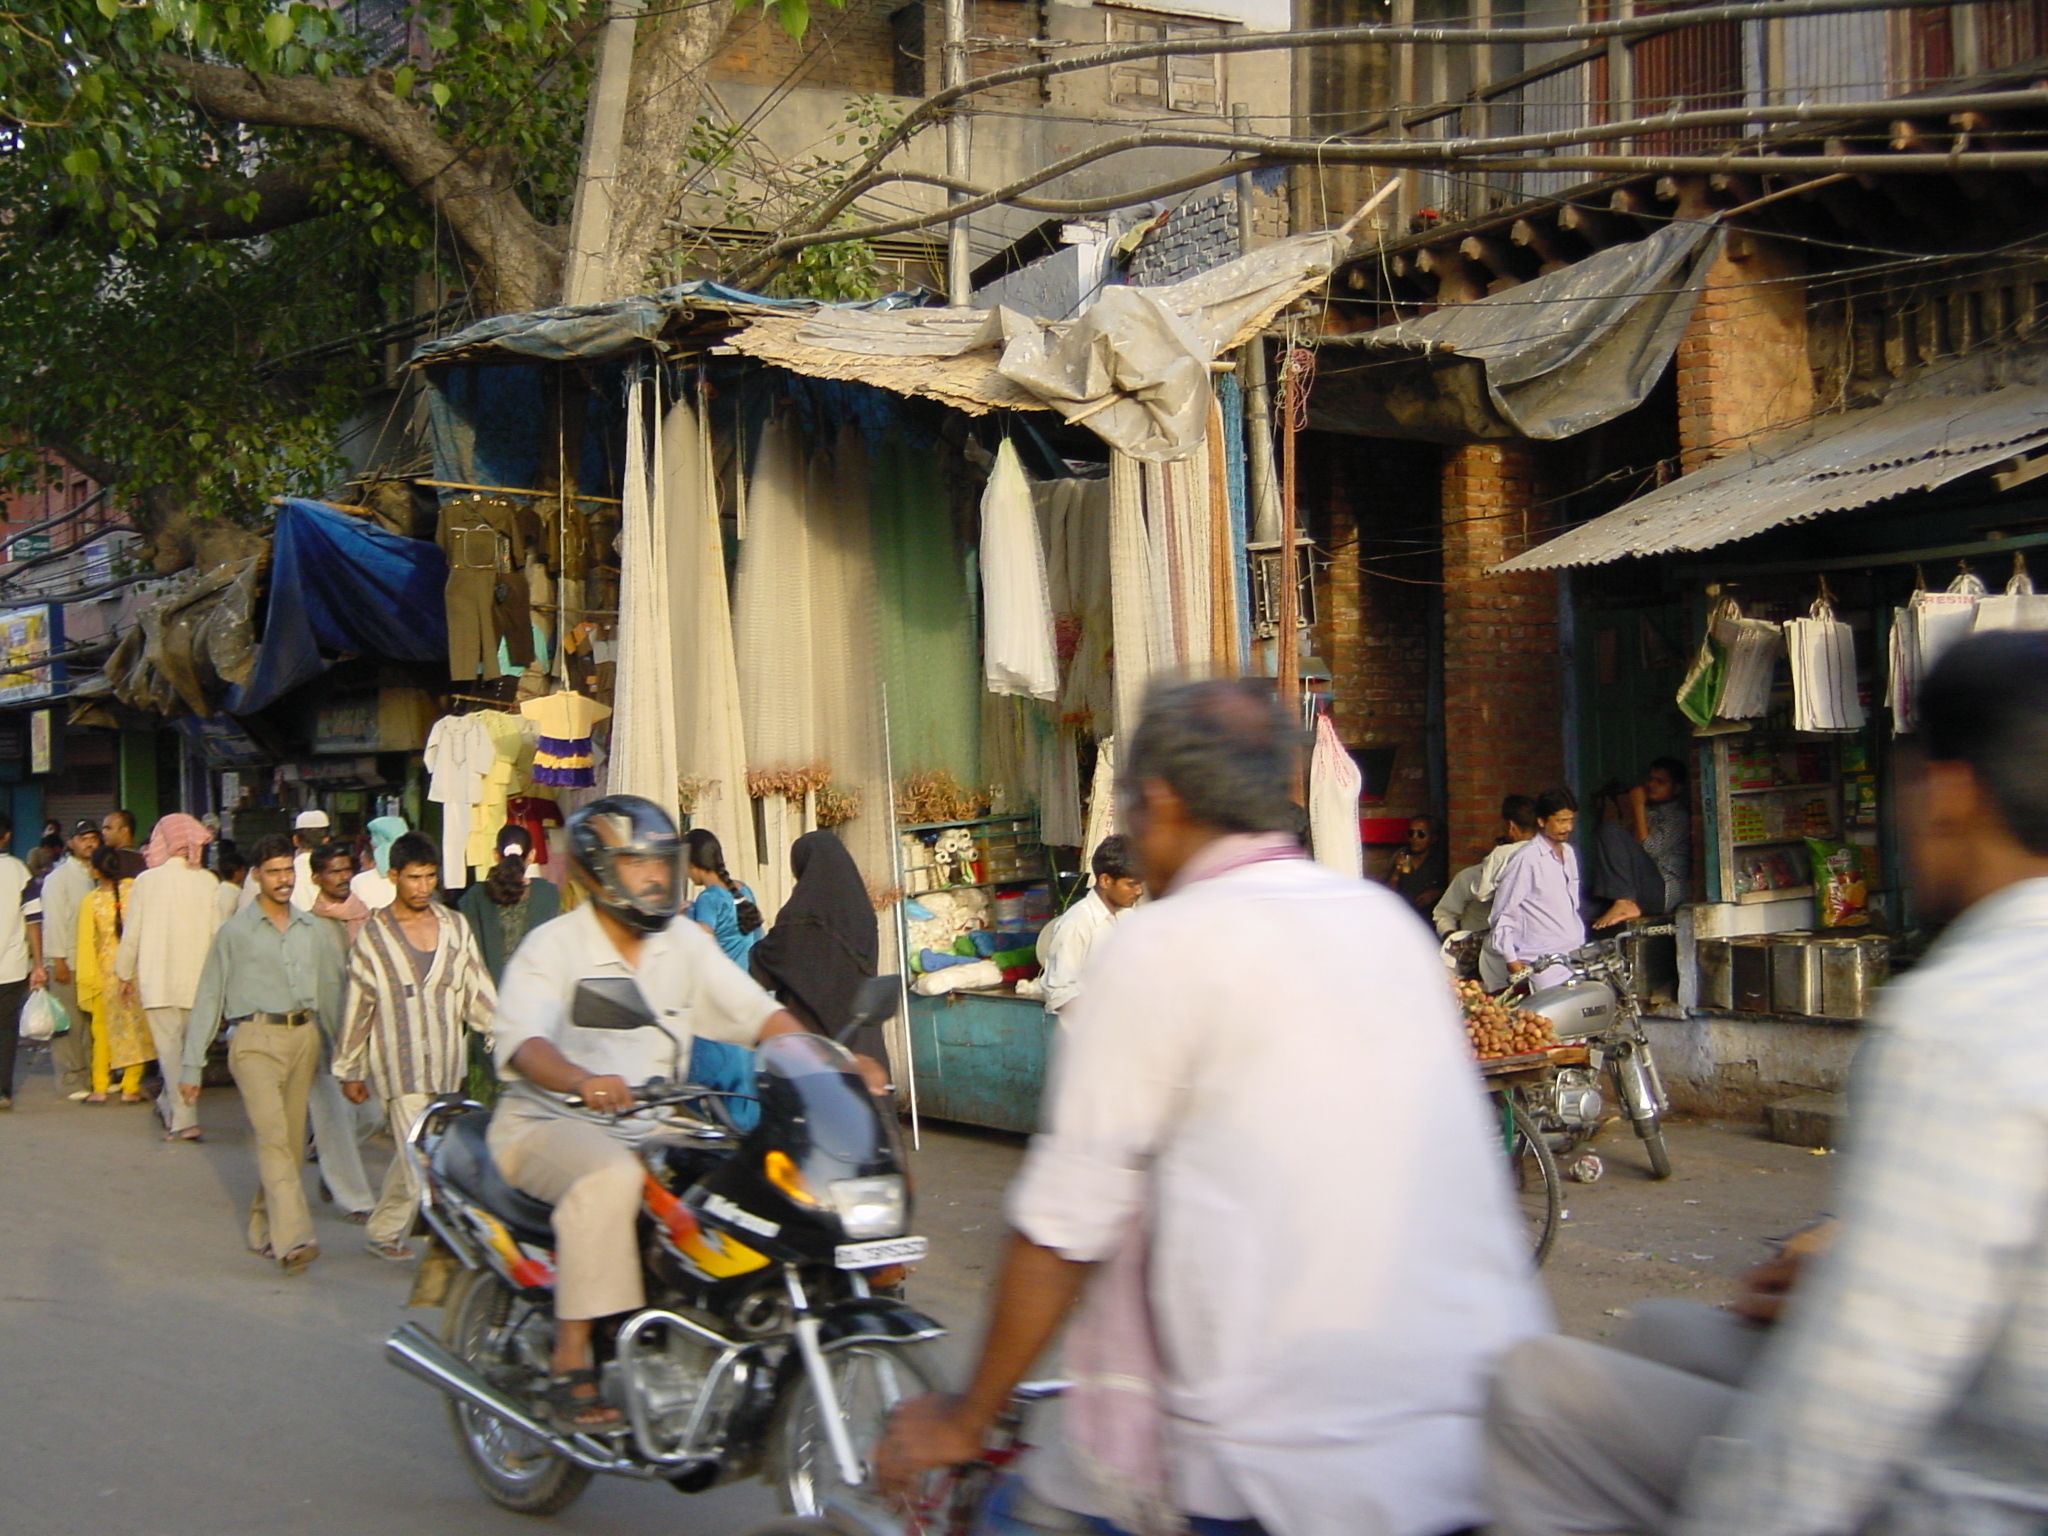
[(1699, 696), (1752, 647), (1823, 653), (1940, 619), (2017, 607)]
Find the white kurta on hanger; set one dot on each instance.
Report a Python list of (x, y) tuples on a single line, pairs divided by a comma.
[(1334, 783), (1016, 607)]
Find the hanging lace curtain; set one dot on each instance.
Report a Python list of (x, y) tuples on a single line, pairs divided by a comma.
[(843, 632), (643, 749), (1333, 786), (710, 739), (1016, 604)]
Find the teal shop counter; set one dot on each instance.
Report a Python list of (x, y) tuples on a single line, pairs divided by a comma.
[(979, 1057)]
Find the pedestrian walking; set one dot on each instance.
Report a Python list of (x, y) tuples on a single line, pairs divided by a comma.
[(21, 970), (824, 942), (119, 1034), (723, 905), (339, 1127), (65, 888), (167, 926), (274, 973), (1066, 944), (415, 983), (117, 831), (510, 902)]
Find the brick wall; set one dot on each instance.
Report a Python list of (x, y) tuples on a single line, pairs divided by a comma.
[(852, 49), (1503, 680), (1743, 368)]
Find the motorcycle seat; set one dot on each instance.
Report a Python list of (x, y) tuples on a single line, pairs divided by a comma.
[(463, 1158)]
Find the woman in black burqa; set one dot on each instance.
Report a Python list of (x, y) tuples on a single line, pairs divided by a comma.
[(823, 943)]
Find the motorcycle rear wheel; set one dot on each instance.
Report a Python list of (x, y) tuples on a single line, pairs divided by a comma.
[(1539, 1187), (872, 1378), (514, 1470)]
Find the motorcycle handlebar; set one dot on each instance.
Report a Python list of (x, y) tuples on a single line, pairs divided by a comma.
[(660, 1093)]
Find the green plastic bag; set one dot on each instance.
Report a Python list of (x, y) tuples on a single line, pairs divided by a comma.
[(43, 1017)]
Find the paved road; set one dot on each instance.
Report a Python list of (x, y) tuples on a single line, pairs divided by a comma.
[(160, 1381)]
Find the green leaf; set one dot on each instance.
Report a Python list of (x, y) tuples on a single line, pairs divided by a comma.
[(109, 8), (441, 94), (795, 16), (402, 79), (277, 30), (83, 162)]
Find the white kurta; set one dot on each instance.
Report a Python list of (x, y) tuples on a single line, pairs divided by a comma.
[(172, 914), (1269, 1060), (1064, 947)]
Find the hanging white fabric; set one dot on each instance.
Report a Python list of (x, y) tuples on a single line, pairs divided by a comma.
[(1016, 605), (1823, 652), (1102, 817), (643, 751), (2017, 607), (1903, 693), (711, 744), (1334, 783)]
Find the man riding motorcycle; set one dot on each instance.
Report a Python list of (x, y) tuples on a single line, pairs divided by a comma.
[(555, 1041)]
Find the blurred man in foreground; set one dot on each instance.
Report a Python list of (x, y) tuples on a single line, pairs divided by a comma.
[(1268, 1167), (1905, 1392)]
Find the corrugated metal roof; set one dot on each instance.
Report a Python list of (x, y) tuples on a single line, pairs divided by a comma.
[(1830, 465)]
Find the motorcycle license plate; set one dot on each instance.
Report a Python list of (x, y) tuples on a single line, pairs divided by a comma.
[(890, 1250)]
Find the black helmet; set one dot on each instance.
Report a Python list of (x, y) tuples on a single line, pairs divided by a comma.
[(628, 826)]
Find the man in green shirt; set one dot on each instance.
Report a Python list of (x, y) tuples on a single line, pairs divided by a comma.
[(274, 973)]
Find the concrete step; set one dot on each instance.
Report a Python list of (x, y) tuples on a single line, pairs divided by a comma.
[(1811, 1120)]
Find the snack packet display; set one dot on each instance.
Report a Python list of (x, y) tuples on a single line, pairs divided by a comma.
[(1841, 893)]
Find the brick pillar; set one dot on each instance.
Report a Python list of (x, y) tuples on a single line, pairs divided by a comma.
[(1742, 364), (1503, 681)]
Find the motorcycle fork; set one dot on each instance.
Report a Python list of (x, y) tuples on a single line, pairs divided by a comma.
[(806, 1328)]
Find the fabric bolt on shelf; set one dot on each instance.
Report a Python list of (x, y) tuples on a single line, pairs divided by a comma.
[(1016, 602), (643, 748), (975, 974), (342, 586)]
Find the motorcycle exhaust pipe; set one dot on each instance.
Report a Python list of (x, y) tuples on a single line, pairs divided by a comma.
[(418, 1353)]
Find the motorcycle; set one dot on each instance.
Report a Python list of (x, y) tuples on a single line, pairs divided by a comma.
[(1597, 1008), (770, 1342)]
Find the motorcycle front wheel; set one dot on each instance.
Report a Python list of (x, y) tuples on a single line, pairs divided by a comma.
[(871, 1378), (1638, 1098), (518, 1472)]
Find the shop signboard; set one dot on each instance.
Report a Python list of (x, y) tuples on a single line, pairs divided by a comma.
[(347, 724), (39, 742), (26, 639), (30, 546)]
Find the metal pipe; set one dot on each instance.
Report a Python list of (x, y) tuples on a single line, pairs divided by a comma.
[(959, 255), (418, 1353)]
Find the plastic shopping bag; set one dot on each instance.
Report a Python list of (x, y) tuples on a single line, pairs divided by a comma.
[(43, 1017)]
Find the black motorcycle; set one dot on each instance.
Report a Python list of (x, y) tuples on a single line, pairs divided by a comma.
[(768, 1344)]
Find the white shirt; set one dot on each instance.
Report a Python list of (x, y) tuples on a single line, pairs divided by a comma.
[(14, 915), (684, 977), (1468, 902), (1269, 1062), (172, 914), (1064, 947), (375, 889), (64, 890)]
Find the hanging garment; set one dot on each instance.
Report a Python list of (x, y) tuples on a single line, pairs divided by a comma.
[(1903, 690), (711, 754), (1074, 522), (1334, 783), (459, 753), (1016, 608), (513, 745), (1102, 817), (477, 534), (1823, 652), (643, 758), (564, 754)]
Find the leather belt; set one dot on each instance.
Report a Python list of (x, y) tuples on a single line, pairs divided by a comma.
[(290, 1020)]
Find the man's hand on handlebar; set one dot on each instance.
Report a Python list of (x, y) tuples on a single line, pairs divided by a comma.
[(608, 1095), (924, 1434)]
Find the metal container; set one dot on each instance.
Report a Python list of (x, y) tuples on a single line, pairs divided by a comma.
[(1749, 966), (1795, 974), (1717, 981), (1851, 971)]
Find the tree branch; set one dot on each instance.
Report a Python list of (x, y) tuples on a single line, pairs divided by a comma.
[(520, 258), (285, 195)]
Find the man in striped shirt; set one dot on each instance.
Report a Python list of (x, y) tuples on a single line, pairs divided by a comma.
[(415, 982)]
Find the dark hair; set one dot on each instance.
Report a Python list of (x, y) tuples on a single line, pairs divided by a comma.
[(506, 882), (275, 846), (413, 848), (1551, 801), (1985, 704), (1434, 823), (704, 852), (6, 823), (1519, 810), (1675, 767), (1226, 747), (1116, 858), (125, 817), (107, 861), (230, 862), (326, 852)]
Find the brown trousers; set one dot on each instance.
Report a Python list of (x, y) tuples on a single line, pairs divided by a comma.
[(273, 1066)]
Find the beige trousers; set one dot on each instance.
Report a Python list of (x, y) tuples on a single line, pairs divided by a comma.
[(273, 1066), (167, 1029), (593, 1180), (400, 1202), (71, 1052)]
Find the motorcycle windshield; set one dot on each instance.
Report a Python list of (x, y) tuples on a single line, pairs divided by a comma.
[(839, 1117)]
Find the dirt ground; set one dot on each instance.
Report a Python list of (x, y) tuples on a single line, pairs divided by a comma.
[(1624, 1237)]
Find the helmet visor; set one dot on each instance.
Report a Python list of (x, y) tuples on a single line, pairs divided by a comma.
[(634, 855)]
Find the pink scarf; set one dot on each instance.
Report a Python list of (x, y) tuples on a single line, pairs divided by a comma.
[(177, 836), (1115, 1410)]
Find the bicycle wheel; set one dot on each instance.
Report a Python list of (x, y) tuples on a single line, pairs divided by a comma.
[(1539, 1187)]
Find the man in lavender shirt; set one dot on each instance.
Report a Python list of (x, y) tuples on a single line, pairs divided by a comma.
[(1536, 907)]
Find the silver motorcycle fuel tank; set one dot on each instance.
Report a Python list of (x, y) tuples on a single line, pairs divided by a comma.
[(1576, 1009)]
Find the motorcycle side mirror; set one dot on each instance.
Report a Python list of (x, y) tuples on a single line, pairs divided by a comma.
[(874, 1002), (609, 1002)]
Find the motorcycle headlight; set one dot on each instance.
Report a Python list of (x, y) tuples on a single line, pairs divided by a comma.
[(871, 1207)]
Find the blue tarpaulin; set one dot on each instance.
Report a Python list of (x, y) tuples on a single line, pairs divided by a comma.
[(341, 586)]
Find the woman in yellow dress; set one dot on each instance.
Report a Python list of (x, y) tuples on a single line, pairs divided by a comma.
[(120, 1034)]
